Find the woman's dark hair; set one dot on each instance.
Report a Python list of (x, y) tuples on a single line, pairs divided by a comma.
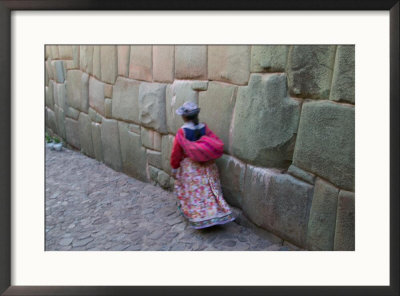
[(195, 119)]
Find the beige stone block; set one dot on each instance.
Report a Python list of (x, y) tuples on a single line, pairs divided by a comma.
[(163, 63), (109, 63), (123, 60), (140, 66), (191, 61)]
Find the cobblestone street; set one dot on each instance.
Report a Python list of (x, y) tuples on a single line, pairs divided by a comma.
[(89, 206)]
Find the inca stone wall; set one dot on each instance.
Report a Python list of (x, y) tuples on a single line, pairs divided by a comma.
[(285, 114)]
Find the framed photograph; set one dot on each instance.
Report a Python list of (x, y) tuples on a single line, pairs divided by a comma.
[(199, 148)]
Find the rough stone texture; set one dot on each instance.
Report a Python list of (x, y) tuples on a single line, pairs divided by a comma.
[(94, 116), (96, 138), (132, 153), (59, 71), (77, 90), (345, 222), (269, 58), (325, 142), (200, 85), (60, 119), (54, 53), (108, 108), (163, 63), (72, 113), (123, 60), (86, 58), (72, 132), (300, 174), (154, 158), (49, 99), (110, 142), (176, 94), (231, 172), (152, 106), (108, 90), (265, 122), (109, 63), (65, 52), (321, 225), (96, 95), (217, 104), (51, 120), (140, 66), (310, 70), (60, 95), (76, 57), (150, 139), (343, 80), (85, 134), (134, 128), (97, 62), (166, 148), (229, 63), (163, 179), (191, 62), (126, 100), (49, 70)]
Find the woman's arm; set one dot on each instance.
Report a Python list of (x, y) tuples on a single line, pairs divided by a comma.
[(176, 153)]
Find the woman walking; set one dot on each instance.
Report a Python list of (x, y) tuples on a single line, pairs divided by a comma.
[(197, 183)]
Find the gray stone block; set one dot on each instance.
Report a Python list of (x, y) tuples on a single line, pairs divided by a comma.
[(163, 179), (60, 95), (232, 172), (96, 95), (265, 122), (77, 89), (96, 138), (59, 71), (72, 113), (65, 52), (191, 61), (49, 99), (97, 62), (51, 120), (229, 63), (109, 63), (166, 149), (343, 80), (153, 173), (108, 90), (325, 142), (94, 116), (163, 63), (217, 104), (60, 119), (49, 69), (177, 94), (140, 66), (345, 222), (154, 158), (85, 134), (86, 58), (152, 106), (108, 108), (132, 152), (199, 85), (300, 174), (126, 100), (111, 143), (269, 58), (123, 60), (150, 139), (72, 132), (321, 226), (76, 57), (310, 70)]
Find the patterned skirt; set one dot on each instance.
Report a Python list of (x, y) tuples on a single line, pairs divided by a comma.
[(199, 194)]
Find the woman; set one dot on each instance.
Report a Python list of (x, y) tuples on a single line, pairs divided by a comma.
[(197, 184)]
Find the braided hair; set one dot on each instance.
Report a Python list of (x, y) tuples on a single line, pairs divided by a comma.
[(195, 119)]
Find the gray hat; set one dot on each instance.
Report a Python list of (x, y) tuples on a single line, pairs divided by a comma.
[(188, 109)]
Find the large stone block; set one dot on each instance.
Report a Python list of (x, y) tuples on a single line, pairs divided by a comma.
[(321, 226), (111, 144), (85, 134), (125, 104), (86, 58), (140, 66), (163, 63), (49, 98), (109, 63), (49, 69), (96, 138), (325, 142), (345, 222), (310, 70), (96, 95), (54, 53), (152, 106), (269, 58), (94, 116), (97, 61), (154, 158), (123, 60), (76, 57), (217, 104), (60, 119), (150, 139), (191, 61), (60, 95), (58, 70), (229, 63), (65, 52), (176, 94), (232, 172), (72, 113), (72, 132), (343, 87), (302, 175), (166, 149), (77, 90), (265, 122), (132, 153), (51, 120), (108, 108)]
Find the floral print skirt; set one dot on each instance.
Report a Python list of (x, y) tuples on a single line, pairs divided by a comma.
[(199, 194)]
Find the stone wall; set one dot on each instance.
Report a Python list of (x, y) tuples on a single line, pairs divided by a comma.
[(285, 114)]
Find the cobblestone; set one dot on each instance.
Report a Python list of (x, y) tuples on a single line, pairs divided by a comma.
[(89, 206)]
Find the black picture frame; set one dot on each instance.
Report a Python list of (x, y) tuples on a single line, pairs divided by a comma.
[(6, 7)]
